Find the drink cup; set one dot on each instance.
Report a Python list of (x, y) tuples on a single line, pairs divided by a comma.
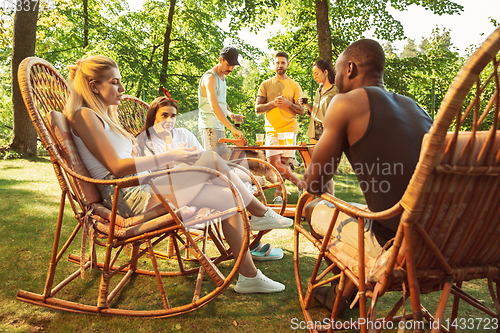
[(238, 119), (281, 139), (289, 138), (260, 139)]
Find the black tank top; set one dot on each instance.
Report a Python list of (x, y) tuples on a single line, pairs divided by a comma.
[(386, 156)]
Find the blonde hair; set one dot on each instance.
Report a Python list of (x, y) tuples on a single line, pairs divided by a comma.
[(85, 71)]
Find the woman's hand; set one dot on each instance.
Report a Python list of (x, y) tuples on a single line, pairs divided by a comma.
[(182, 154), (309, 108), (161, 130)]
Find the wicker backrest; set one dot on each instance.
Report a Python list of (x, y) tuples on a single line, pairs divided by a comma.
[(45, 92), (453, 199), (132, 114), (86, 191)]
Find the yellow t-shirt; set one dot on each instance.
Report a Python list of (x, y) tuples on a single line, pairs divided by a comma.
[(280, 120)]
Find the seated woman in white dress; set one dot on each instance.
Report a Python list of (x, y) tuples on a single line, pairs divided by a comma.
[(106, 150)]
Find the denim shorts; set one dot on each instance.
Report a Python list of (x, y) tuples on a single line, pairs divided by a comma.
[(132, 201)]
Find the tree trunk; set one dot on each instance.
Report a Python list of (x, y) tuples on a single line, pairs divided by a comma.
[(145, 76), (166, 47), (85, 24), (323, 28), (24, 134)]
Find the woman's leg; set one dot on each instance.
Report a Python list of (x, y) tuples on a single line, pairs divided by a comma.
[(232, 226), (214, 161)]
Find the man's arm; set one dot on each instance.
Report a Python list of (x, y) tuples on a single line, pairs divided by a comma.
[(210, 84), (346, 121), (328, 150), (284, 103), (261, 105)]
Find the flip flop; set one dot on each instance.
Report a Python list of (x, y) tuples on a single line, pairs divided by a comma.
[(267, 252), (257, 247)]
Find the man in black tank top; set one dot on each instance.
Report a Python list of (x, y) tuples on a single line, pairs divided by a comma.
[(381, 134)]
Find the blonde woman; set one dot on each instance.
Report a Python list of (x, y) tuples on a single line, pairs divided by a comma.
[(106, 150)]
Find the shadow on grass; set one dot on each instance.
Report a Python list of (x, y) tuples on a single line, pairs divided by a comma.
[(30, 202)]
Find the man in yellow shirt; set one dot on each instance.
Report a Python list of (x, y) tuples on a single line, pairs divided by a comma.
[(276, 98)]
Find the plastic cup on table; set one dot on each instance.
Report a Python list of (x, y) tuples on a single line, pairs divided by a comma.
[(281, 139), (260, 139), (289, 136)]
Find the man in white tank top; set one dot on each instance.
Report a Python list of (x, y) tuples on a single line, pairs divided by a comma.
[(213, 109)]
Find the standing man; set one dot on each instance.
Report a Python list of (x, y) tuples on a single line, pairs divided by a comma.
[(381, 134), (213, 109), (277, 98)]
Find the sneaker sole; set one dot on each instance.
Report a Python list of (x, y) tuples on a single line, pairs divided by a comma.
[(269, 226), (257, 291)]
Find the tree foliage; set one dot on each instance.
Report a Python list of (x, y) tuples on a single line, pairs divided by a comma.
[(171, 43)]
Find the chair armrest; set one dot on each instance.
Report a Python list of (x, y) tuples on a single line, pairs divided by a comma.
[(356, 212)]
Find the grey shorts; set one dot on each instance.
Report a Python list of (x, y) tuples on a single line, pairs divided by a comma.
[(210, 140), (346, 227), (132, 201)]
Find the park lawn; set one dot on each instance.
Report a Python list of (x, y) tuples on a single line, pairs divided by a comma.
[(29, 196)]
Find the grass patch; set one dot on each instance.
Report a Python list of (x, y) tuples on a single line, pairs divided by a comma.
[(30, 197)]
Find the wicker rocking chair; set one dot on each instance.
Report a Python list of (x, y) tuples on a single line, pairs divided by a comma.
[(449, 228), (132, 115), (126, 243)]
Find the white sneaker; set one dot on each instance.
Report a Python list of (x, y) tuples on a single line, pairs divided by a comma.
[(270, 220), (258, 284)]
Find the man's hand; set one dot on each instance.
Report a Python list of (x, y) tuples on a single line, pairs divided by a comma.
[(237, 133), (281, 101)]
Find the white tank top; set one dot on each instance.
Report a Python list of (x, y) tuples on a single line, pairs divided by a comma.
[(122, 145)]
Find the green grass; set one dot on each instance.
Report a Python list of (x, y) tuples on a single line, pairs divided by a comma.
[(29, 196)]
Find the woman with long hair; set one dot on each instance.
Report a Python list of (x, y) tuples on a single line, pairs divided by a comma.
[(106, 150), (324, 75)]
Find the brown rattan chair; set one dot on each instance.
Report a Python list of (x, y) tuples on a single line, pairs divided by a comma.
[(449, 228), (122, 245), (132, 113)]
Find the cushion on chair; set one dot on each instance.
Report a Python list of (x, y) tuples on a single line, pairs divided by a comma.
[(463, 138), (154, 218), (67, 149)]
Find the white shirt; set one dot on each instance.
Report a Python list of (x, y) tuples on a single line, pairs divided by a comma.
[(158, 145)]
